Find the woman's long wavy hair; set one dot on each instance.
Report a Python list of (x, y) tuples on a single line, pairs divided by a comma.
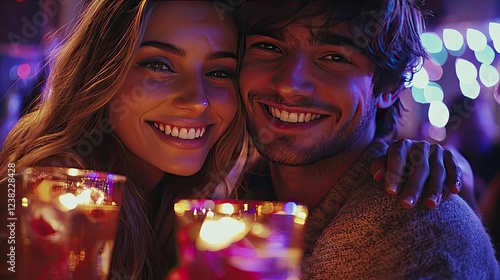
[(70, 127)]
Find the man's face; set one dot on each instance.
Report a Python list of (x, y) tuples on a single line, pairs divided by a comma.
[(307, 98)]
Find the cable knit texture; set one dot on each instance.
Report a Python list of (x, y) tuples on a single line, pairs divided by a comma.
[(360, 232)]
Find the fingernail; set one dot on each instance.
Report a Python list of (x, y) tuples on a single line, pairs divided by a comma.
[(392, 188), (432, 201), (455, 189), (378, 176), (408, 202)]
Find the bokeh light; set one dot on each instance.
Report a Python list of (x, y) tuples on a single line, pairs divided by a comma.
[(485, 56), (453, 40), (433, 92), (494, 29), (421, 78), (434, 69), (470, 90), (431, 42), (418, 95), (466, 71), (476, 40), (488, 75), (24, 71), (437, 133), (438, 114)]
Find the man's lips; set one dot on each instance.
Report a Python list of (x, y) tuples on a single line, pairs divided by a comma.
[(292, 116)]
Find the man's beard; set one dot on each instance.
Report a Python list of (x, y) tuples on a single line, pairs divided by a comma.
[(281, 149)]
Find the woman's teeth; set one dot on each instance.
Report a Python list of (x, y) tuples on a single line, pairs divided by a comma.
[(180, 132), (292, 117)]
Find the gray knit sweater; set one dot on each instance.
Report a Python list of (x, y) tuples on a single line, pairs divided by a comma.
[(360, 232)]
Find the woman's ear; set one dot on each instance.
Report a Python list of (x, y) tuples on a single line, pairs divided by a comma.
[(385, 100)]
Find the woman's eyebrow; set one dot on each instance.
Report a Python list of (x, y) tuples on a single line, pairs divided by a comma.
[(166, 47)]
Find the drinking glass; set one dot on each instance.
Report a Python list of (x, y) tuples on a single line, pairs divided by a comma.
[(238, 239), (68, 219)]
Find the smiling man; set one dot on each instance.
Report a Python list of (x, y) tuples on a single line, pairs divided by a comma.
[(321, 81)]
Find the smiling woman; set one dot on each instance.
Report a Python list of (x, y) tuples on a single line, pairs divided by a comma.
[(157, 103), (191, 97)]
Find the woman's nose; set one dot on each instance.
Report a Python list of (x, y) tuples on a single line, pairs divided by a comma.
[(192, 97)]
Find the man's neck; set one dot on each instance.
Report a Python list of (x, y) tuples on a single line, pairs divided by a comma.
[(309, 184)]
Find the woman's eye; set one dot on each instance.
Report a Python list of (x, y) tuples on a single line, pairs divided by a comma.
[(335, 57), (221, 74), (157, 66), (267, 47)]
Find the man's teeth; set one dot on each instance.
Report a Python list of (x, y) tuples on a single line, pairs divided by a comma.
[(293, 117), (182, 133)]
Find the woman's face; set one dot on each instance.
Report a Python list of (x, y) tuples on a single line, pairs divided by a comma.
[(179, 96)]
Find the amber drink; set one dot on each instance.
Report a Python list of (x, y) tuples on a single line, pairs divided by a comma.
[(69, 219), (237, 239)]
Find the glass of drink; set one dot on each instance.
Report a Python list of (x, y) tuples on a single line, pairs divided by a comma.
[(239, 239), (68, 219)]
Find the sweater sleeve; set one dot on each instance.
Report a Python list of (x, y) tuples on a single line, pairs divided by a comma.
[(373, 237)]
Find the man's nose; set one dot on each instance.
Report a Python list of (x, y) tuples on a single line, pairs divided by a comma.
[(292, 79)]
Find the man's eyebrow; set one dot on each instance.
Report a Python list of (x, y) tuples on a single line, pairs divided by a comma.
[(337, 40), (272, 33), (166, 47)]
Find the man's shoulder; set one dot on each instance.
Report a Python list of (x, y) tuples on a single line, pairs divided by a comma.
[(374, 230), (384, 218)]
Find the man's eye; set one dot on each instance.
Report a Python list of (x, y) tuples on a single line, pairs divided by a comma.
[(157, 66), (267, 47), (335, 57), (221, 74)]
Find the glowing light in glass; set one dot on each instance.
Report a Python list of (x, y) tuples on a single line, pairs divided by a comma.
[(216, 235), (226, 208), (438, 114), (290, 207)]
